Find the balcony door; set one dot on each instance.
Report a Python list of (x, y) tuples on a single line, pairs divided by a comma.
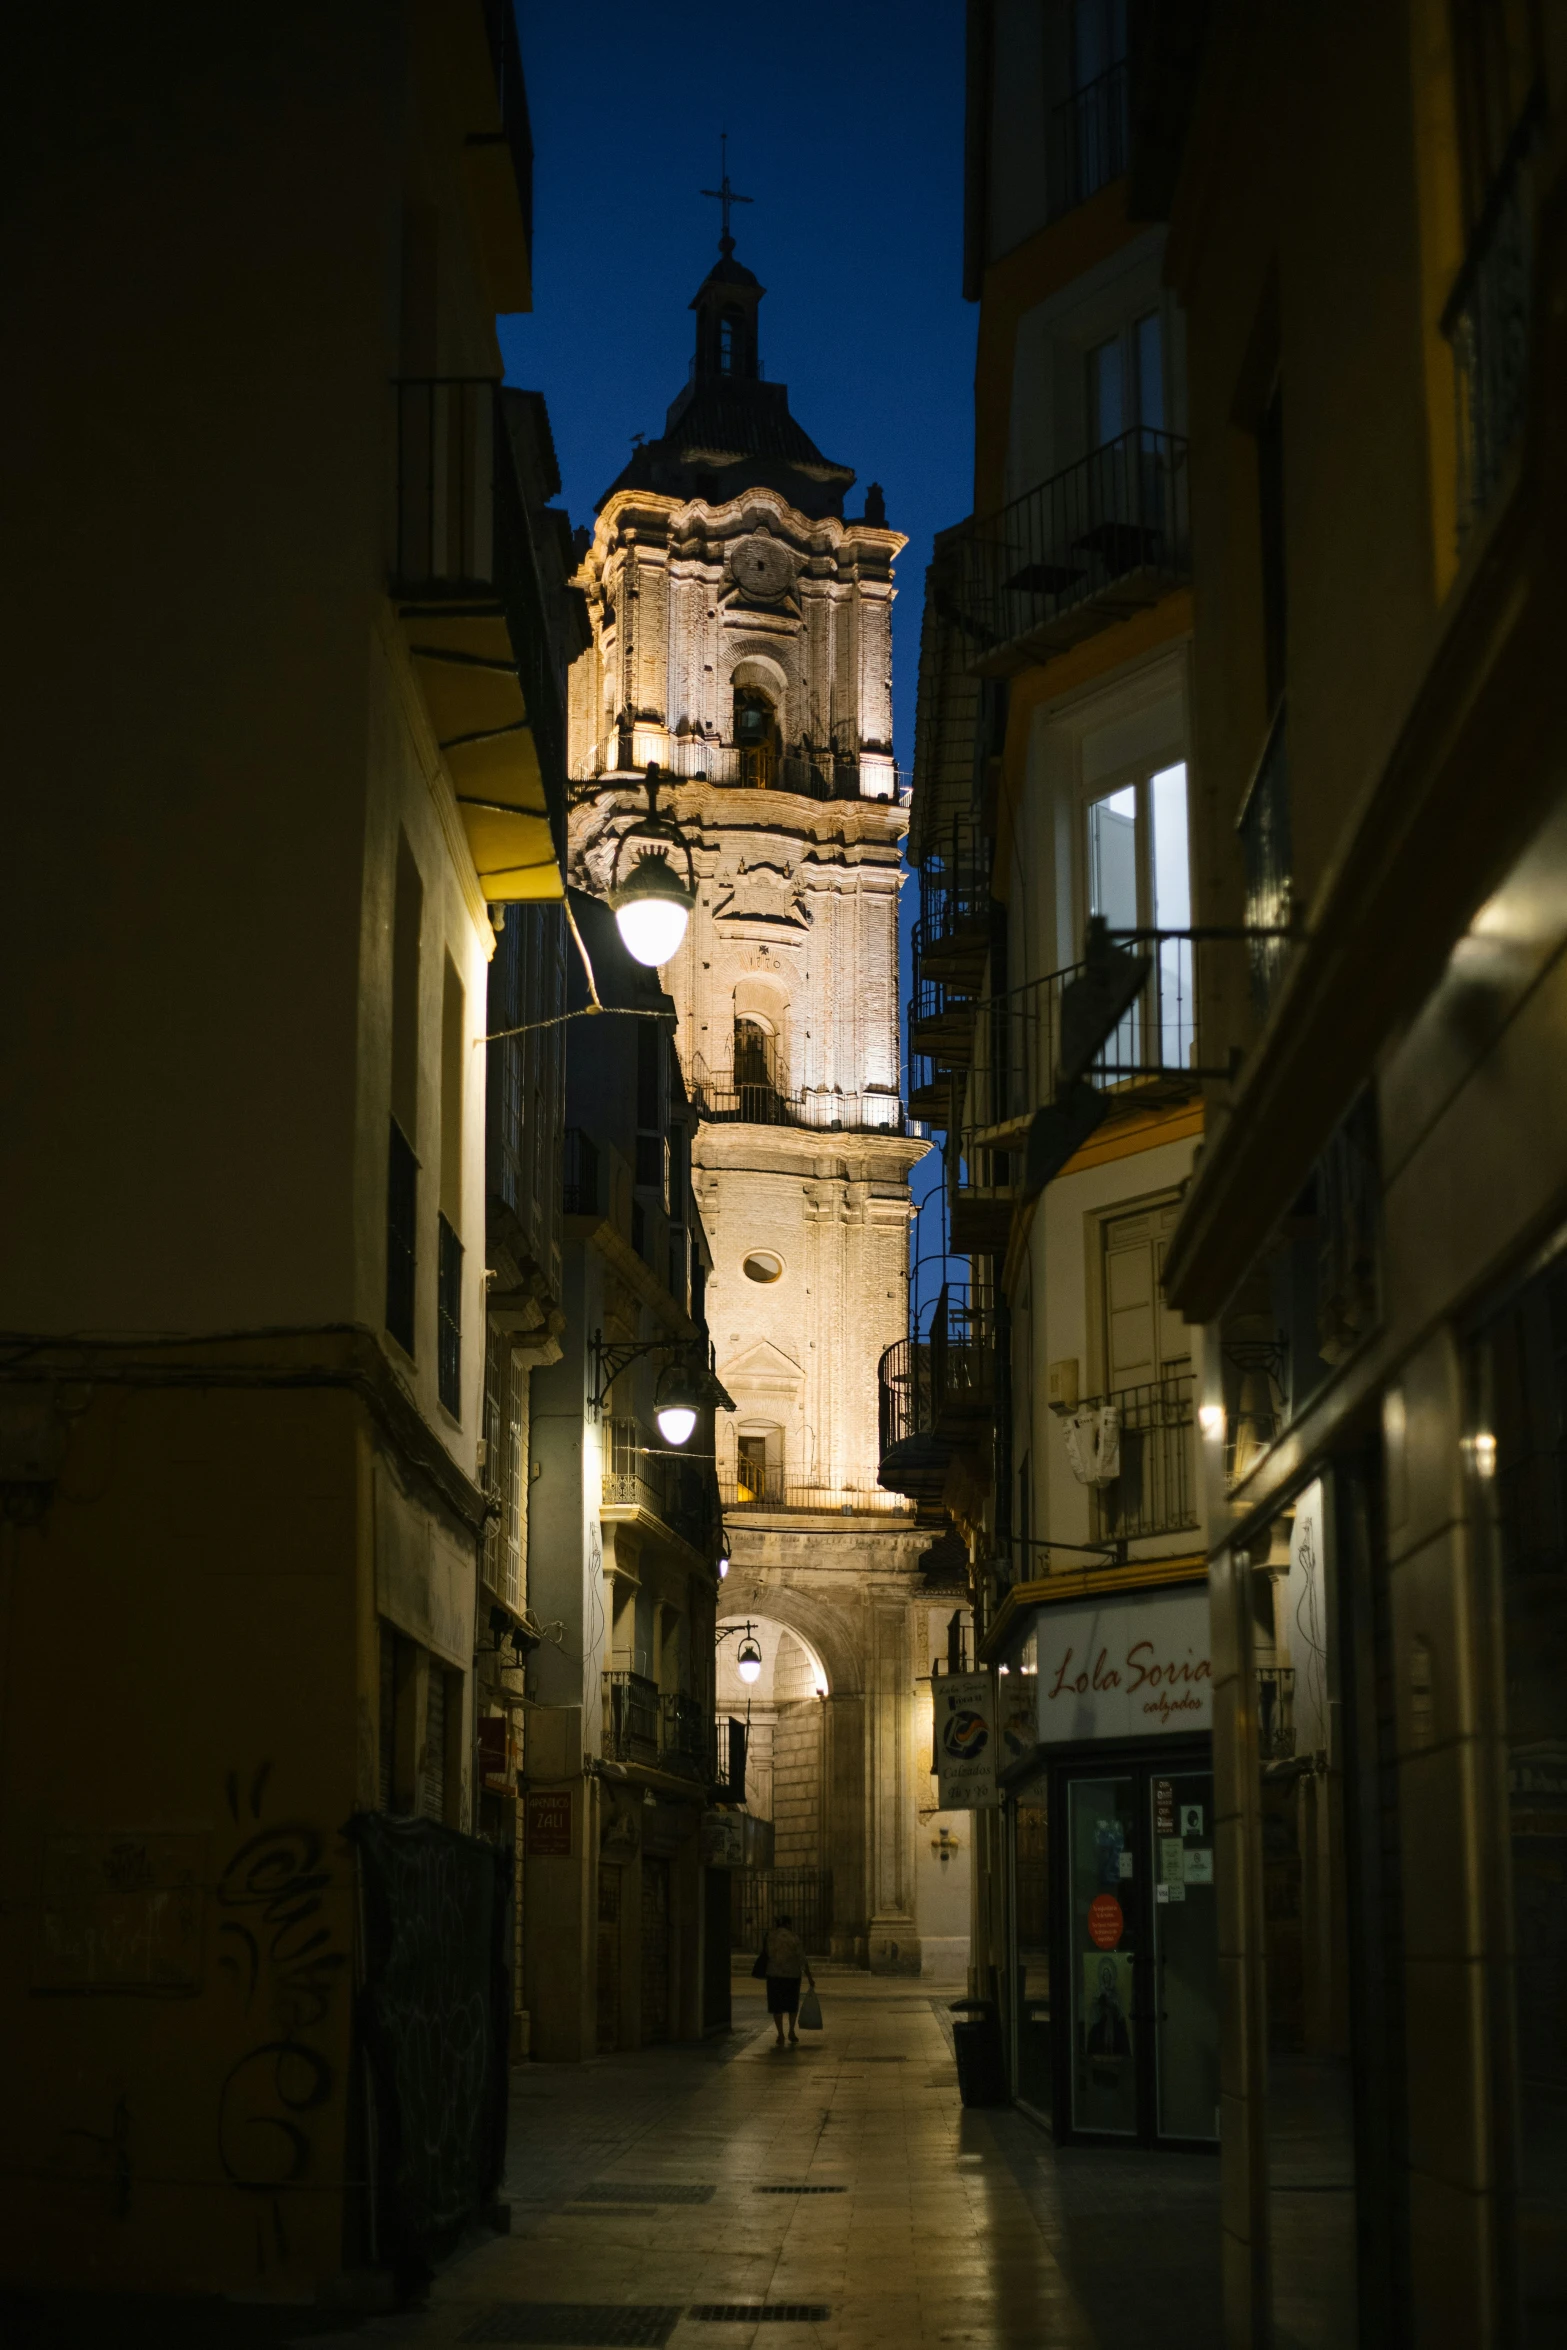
[(1147, 1375)]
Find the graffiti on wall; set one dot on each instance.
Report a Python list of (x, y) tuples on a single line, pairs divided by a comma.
[(276, 1941)]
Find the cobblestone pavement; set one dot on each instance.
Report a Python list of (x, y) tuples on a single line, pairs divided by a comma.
[(645, 2208)]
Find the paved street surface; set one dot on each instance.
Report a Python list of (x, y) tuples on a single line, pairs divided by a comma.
[(645, 2208)]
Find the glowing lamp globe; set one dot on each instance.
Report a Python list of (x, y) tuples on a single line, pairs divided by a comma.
[(676, 1404), (675, 1422), (749, 1662), (652, 907)]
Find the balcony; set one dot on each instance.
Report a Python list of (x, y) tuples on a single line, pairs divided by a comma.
[(662, 1730), (956, 924), (770, 1489), (632, 1719), (936, 1395), (1088, 140), (472, 608), (803, 774), (1150, 1062), (643, 1477), (720, 1098), (1489, 322), (1099, 543), (941, 1018), (1156, 1491)]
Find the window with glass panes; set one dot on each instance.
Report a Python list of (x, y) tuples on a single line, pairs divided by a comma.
[(1139, 879)]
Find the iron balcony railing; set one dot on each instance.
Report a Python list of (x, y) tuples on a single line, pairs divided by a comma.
[(1155, 1491), (1088, 140), (806, 774), (464, 544), (941, 1016), (1268, 860), (955, 919), (580, 1173), (641, 1474), (1489, 321), (1103, 539), (1016, 1042), (941, 1385), (631, 1718), (770, 1489), (721, 1098)]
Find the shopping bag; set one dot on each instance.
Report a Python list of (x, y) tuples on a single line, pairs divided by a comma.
[(759, 1966), (810, 2011)]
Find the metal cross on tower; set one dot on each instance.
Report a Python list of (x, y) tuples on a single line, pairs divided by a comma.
[(724, 193)]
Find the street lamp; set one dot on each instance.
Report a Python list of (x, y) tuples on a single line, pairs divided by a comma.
[(748, 1664), (676, 1403), (652, 905)]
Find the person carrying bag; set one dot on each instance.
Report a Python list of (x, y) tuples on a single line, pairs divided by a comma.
[(781, 1962)]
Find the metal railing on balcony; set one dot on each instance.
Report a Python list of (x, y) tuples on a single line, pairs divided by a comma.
[(639, 1473), (937, 1391), (1103, 539), (1268, 859), (631, 1718), (1276, 1712), (941, 1016), (1088, 140), (721, 1098), (463, 541), (806, 774), (771, 1489), (727, 1770), (1489, 321), (955, 921), (1156, 1490)]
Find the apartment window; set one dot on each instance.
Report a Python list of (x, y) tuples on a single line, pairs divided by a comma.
[(1139, 878), (1087, 142), (449, 1249), (402, 1169), (448, 1314), (402, 1221), (1126, 382)]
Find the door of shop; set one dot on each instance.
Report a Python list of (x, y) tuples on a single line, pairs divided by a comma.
[(1135, 1951)]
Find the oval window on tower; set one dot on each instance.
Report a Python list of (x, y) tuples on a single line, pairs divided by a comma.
[(762, 1265)]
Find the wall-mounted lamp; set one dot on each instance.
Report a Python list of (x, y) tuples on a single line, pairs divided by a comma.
[(685, 1384), (748, 1662), (678, 1399), (652, 905)]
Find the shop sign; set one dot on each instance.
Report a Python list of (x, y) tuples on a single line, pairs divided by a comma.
[(548, 1829), (1106, 1921), (965, 1723), (1130, 1665)]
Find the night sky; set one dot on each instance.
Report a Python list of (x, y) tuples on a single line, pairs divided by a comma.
[(845, 126)]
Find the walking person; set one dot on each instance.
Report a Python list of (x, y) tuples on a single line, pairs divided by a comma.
[(784, 1953)]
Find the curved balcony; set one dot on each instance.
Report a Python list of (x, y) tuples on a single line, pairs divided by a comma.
[(936, 1395), (722, 1098)]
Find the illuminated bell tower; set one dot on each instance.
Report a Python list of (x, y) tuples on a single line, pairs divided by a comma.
[(742, 643)]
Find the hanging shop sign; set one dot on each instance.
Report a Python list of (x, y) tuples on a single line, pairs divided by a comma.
[(965, 1724), (547, 1828), (1133, 1665)]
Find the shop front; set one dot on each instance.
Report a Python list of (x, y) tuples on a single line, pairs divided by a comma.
[(1110, 1986)]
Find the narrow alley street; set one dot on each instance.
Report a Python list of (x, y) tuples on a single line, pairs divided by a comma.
[(837, 2195)]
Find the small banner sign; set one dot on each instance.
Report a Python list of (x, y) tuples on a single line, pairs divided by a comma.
[(547, 1832), (965, 1723)]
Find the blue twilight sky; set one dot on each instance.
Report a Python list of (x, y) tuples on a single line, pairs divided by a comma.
[(845, 126)]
